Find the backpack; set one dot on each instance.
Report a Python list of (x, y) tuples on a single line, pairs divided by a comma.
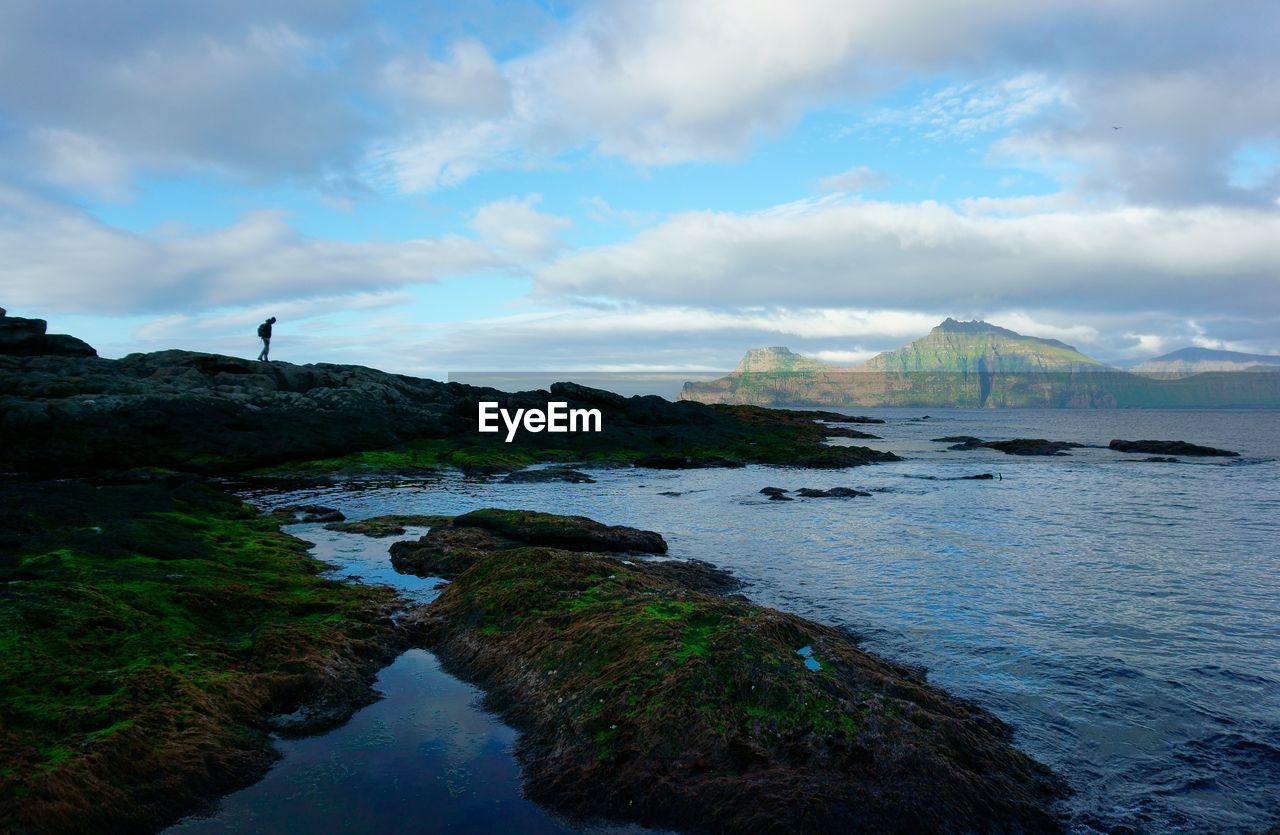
[(263, 330)]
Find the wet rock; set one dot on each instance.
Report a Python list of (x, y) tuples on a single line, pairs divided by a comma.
[(382, 526), (772, 491), (641, 699), (831, 493), (446, 551), (295, 513), (1020, 446), (1171, 448), (575, 533), (978, 477), (1161, 459), (549, 474), (957, 439)]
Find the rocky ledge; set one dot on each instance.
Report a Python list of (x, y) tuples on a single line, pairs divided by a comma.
[(1016, 446), (1171, 448), (645, 696)]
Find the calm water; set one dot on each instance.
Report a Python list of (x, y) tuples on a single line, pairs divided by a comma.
[(1122, 616)]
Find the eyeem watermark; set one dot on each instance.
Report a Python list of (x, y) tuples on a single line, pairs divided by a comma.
[(557, 417)]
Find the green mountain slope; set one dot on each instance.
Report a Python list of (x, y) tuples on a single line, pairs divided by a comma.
[(978, 365), (980, 346)]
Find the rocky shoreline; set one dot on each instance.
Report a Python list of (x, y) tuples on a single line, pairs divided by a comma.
[(158, 630)]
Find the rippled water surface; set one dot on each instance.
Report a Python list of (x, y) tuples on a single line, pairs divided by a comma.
[(1123, 616)]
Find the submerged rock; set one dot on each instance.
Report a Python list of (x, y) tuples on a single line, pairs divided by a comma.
[(1171, 448), (548, 474), (307, 513), (390, 525), (831, 493), (1017, 446), (641, 698)]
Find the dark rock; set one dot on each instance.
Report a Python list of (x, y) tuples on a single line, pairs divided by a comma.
[(574, 533), (772, 491), (694, 575), (1020, 446), (548, 474), (831, 493), (1171, 448), (295, 513), (978, 477), (780, 497), (845, 432), (446, 551), (957, 439), (1160, 459), (21, 337), (392, 525), (641, 699)]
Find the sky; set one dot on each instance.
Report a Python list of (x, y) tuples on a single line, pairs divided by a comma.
[(435, 187)]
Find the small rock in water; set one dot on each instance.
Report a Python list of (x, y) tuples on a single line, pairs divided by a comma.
[(772, 491), (832, 493), (1171, 448)]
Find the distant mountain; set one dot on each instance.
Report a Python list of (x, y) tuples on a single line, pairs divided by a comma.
[(760, 360), (1198, 360), (977, 364), (981, 346)]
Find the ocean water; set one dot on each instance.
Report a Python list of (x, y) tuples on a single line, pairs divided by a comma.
[(1122, 616)]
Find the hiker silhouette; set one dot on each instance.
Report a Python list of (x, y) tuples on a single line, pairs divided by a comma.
[(264, 333)]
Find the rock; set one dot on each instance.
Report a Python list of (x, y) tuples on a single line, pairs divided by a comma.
[(446, 551), (1159, 459), (846, 432), (831, 493), (1019, 446), (27, 338), (574, 533), (957, 439), (381, 526), (772, 491), (641, 699), (548, 474), (780, 497), (1171, 448), (296, 513), (978, 477)]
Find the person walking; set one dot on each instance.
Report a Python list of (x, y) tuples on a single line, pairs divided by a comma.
[(264, 333)]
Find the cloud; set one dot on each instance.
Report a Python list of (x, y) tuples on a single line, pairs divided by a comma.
[(514, 227), (842, 251), (58, 259), (858, 178), (253, 89)]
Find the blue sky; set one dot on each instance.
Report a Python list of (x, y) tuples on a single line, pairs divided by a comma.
[(609, 185)]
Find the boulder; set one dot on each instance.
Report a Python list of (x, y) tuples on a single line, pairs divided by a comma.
[(572, 533), (1171, 448), (548, 474)]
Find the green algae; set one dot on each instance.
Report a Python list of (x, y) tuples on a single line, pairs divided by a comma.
[(617, 674), (136, 617)]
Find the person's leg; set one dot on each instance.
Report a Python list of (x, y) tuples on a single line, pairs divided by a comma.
[(266, 350)]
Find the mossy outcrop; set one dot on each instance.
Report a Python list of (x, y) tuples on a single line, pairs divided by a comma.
[(643, 699), (150, 631)]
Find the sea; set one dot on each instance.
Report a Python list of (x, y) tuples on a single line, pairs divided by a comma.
[(1121, 615)]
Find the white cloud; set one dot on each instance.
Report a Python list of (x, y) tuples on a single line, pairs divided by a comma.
[(514, 227), (58, 259), (840, 252), (857, 178), (968, 110)]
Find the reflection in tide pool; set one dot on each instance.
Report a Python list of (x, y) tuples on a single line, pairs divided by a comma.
[(423, 758)]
